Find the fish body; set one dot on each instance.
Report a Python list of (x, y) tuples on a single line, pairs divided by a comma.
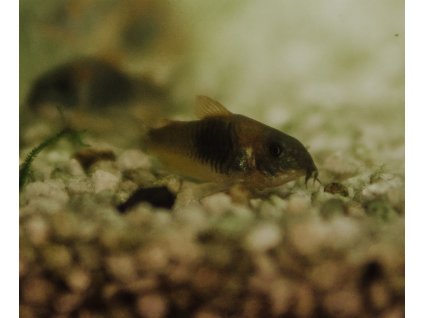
[(229, 148)]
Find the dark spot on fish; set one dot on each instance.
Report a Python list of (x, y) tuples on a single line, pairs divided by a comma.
[(159, 197), (215, 144), (89, 156), (336, 188)]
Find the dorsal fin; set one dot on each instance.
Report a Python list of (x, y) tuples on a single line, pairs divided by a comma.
[(207, 107)]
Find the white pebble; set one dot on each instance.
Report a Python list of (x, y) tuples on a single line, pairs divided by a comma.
[(308, 236), (340, 164), (45, 197), (298, 203), (343, 232), (80, 185), (74, 168), (192, 215), (133, 159), (217, 203), (265, 236), (42, 205), (38, 230), (382, 187), (104, 181), (51, 189)]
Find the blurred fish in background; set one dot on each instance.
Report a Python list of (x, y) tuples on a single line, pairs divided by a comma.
[(104, 64), (89, 83), (89, 89)]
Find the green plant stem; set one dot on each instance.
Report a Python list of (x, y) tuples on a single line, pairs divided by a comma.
[(25, 168)]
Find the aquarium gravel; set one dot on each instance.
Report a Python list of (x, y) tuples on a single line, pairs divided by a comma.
[(292, 251)]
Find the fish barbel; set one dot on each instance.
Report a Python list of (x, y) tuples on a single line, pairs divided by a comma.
[(228, 148)]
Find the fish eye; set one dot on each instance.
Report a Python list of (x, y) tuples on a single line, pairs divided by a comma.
[(275, 149)]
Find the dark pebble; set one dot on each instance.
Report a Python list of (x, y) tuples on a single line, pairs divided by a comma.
[(336, 188), (89, 156), (157, 196)]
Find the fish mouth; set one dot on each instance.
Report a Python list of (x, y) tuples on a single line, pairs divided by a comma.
[(289, 175), (311, 173)]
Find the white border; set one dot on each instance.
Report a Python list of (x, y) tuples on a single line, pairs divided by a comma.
[(9, 115), (413, 157)]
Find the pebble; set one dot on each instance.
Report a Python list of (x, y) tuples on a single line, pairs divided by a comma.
[(343, 231), (305, 301), (37, 291), (89, 156), (389, 186), (70, 168), (155, 196), (281, 296), (153, 258), (67, 302), (57, 257), (308, 236), (192, 215), (152, 306), (341, 165), (105, 181), (37, 230), (53, 190), (336, 188), (298, 203), (64, 225), (343, 303), (80, 185), (217, 204), (133, 159), (205, 313), (122, 267), (263, 237), (78, 279)]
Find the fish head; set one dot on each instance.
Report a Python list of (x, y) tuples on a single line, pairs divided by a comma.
[(282, 158)]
